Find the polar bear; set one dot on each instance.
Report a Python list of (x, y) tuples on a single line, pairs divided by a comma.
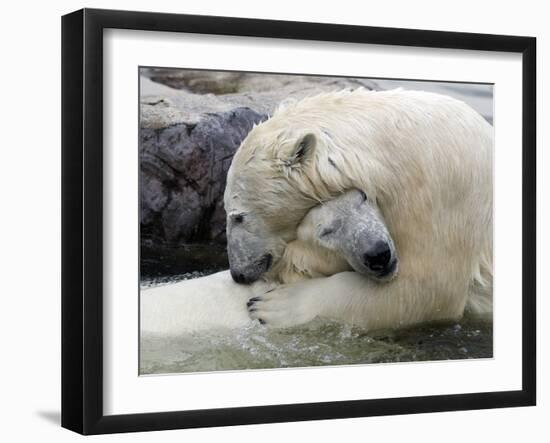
[(332, 238), (424, 159)]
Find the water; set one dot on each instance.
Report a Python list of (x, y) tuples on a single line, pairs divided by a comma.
[(317, 344)]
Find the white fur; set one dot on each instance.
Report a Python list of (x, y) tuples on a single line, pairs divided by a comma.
[(205, 303), (426, 159)]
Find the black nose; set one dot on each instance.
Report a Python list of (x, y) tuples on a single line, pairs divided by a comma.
[(249, 274), (378, 257), (239, 277)]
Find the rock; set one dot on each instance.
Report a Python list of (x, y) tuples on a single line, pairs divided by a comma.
[(183, 170), (191, 124)]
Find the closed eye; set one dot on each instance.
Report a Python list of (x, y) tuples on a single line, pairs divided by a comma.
[(326, 232), (238, 218)]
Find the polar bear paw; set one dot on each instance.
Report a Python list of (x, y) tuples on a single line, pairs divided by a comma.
[(282, 307)]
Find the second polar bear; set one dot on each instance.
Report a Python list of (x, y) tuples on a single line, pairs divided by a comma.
[(424, 159)]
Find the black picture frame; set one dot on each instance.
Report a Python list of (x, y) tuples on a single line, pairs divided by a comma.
[(82, 219)]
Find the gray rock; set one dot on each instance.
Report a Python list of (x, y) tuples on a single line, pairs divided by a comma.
[(182, 175), (189, 135)]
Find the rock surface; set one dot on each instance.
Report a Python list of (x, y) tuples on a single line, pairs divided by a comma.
[(191, 124)]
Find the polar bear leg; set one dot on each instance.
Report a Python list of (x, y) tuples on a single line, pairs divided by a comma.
[(206, 303), (352, 298), (298, 303)]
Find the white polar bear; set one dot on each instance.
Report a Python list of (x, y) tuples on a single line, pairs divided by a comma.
[(424, 159), (332, 238)]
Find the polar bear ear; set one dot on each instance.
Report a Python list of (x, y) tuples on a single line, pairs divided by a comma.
[(303, 149)]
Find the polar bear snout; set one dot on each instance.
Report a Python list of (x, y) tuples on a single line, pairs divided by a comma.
[(238, 277), (378, 258), (250, 251), (373, 253), (250, 273), (389, 271)]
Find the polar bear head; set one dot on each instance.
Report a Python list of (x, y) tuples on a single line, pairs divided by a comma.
[(343, 234)]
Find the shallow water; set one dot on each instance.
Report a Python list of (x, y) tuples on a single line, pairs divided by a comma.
[(317, 344)]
